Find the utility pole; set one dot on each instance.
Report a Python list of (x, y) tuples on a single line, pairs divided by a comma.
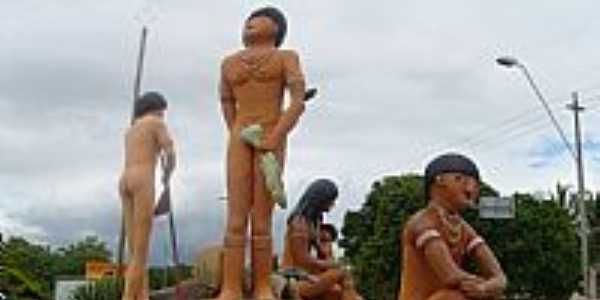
[(583, 220)]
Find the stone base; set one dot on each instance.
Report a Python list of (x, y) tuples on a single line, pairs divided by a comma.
[(192, 289)]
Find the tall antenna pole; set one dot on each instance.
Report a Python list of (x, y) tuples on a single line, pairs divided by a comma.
[(583, 220)]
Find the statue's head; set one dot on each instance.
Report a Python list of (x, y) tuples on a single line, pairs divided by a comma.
[(149, 103), (265, 25), (328, 233), (453, 178), (318, 198)]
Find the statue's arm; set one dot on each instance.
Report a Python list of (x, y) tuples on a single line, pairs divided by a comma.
[(437, 254), (227, 98), (495, 281), (294, 80), (300, 246), (167, 146)]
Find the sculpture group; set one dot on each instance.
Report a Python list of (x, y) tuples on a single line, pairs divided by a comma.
[(253, 82)]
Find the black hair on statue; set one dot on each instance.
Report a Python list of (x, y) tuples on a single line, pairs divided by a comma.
[(311, 204), (449, 163), (277, 17), (150, 101)]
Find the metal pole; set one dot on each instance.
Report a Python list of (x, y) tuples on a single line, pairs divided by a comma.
[(547, 108), (583, 220), (179, 292), (140, 66)]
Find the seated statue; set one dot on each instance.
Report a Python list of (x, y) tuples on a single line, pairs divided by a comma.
[(326, 279), (436, 240), (327, 236)]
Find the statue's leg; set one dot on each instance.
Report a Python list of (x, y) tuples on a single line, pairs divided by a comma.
[(127, 203), (143, 209), (262, 244), (334, 293), (447, 294), (349, 289), (145, 293), (327, 282), (239, 190)]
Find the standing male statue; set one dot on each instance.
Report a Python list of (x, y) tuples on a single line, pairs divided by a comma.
[(252, 91), (436, 240), (146, 140)]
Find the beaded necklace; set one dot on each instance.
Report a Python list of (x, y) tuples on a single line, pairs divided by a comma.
[(451, 223)]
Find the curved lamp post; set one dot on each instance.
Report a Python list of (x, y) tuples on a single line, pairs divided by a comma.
[(509, 62)]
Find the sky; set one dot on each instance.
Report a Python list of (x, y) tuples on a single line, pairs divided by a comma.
[(399, 83)]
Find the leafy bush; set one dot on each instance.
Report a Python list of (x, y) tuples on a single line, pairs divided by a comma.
[(105, 289)]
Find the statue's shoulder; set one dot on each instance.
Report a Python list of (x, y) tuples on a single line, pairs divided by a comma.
[(420, 221), (288, 54), (230, 59)]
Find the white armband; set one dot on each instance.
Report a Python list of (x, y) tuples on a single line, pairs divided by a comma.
[(426, 236), (475, 242)]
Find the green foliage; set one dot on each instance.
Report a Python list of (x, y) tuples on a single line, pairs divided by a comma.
[(105, 289), (15, 282), (30, 270), (537, 249), (72, 258), (27, 268), (159, 278), (371, 235)]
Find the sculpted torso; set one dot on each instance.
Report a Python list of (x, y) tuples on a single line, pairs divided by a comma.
[(144, 142), (256, 79)]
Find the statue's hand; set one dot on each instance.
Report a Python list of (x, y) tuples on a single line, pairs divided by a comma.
[(475, 288), (270, 143), (312, 278)]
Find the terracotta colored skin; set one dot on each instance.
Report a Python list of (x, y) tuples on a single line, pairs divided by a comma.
[(252, 89), (432, 266), (328, 281), (325, 250), (144, 142)]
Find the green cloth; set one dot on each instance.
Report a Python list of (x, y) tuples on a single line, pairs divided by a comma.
[(269, 165)]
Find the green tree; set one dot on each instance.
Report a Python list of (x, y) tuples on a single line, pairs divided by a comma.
[(104, 289), (71, 259), (26, 268), (537, 249)]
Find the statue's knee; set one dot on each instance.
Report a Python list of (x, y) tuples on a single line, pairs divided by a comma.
[(447, 294), (259, 229), (236, 227), (338, 275)]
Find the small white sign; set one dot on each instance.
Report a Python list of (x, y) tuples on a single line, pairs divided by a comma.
[(497, 208)]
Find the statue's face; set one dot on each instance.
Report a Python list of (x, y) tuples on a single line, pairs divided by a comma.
[(325, 237), (157, 113), (257, 29), (461, 191)]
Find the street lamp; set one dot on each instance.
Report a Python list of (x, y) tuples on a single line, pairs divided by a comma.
[(509, 62)]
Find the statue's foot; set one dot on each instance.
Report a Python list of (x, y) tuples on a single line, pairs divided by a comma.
[(225, 295), (264, 295)]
